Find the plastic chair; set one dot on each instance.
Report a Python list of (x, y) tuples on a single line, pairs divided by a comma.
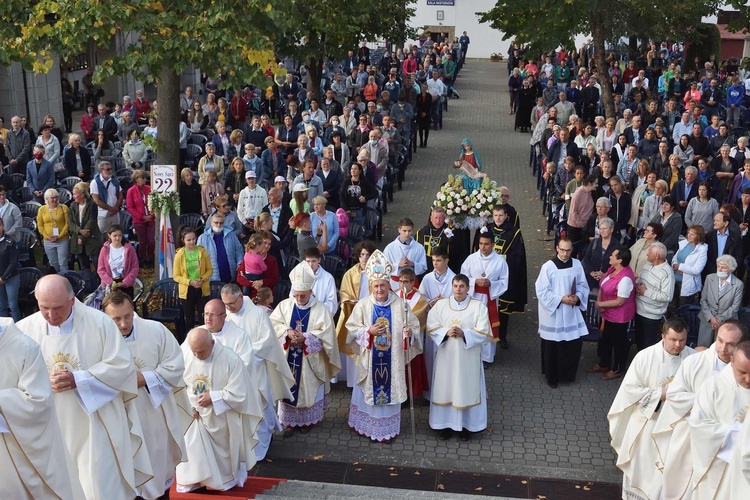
[(18, 180), (689, 313), (593, 321), (26, 298), (70, 182), (194, 152), (336, 266), (744, 316), (126, 221), (345, 249), (199, 140), (28, 223), (281, 291), (291, 261), (23, 194), (372, 224), (27, 239), (356, 231), (171, 306), (76, 281), (65, 195), (193, 221), (216, 287), (138, 289)]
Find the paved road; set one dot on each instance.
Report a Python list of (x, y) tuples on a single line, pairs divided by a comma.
[(533, 430)]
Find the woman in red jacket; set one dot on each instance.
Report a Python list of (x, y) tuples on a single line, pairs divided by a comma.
[(136, 201), (87, 124)]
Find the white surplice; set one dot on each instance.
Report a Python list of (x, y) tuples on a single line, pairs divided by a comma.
[(395, 252), (559, 322), (33, 459), (380, 421), (162, 404), (718, 413), (672, 431), (738, 472), (220, 442), (633, 415), (92, 417), (433, 286), (459, 394), (494, 268), (274, 377)]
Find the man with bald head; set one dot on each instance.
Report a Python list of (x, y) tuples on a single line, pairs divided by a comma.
[(672, 432), (92, 376), (226, 413), (720, 409)]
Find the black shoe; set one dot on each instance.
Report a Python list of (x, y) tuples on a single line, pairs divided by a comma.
[(552, 384), (464, 435), (504, 344), (446, 434), (486, 364)]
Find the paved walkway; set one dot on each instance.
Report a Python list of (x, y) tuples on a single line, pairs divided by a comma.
[(533, 430)]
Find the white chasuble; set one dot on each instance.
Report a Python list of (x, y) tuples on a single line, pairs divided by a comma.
[(672, 431), (220, 440), (738, 472), (633, 415), (459, 398), (33, 459), (162, 404), (94, 423), (715, 423)]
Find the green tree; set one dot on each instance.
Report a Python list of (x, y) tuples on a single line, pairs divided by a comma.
[(545, 23), (167, 36), (317, 29)]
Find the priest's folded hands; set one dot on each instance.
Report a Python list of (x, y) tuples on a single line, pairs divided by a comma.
[(381, 329), (62, 380), (204, 400), (295, 336), (455, 331)]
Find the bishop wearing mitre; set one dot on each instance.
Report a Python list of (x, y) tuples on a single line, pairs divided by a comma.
[(459, 325), (226, 412), (386, 331), (29, 434), (162, 404), (93, 376), (306, 330), (274, 376)]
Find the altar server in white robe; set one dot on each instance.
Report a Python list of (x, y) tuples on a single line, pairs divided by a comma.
[(226, 412), (459, 325), (306, 330), (405, 253), (488, 280), (672, 431), (563, 292), (93, 377), (274, 376), (34, 461), (720, 409), (435, 285), (387, 334), (635, 409), (162, 403), (324, 287)]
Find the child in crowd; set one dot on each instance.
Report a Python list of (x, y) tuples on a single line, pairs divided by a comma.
[(254, 264), (264, 299)]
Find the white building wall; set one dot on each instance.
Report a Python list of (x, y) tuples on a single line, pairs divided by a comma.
[(44, 94), (462, 16)]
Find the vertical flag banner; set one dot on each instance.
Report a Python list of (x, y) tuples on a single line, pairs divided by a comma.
[(166, 246)]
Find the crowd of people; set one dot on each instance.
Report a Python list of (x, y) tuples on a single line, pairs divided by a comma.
[(650, 209), (200, 408)]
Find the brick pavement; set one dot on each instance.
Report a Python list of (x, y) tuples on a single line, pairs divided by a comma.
[(533, 430)]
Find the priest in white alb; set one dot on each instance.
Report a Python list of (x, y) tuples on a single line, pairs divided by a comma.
[(562, 292), (672, 431), (274, 376), (162, 403), (634, 411), (738, 472), (386, 331), (226, 411), (405, 253), (305, 328), (324, 286), (488, 280), (29, 433), (459, 325), (92, 375), (435, 285), (720, 409)]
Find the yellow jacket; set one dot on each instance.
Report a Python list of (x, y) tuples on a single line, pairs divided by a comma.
[(45, 222), (181, 274)]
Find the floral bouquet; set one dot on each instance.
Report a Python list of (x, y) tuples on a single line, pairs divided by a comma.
[(467, 210), (164, 202)]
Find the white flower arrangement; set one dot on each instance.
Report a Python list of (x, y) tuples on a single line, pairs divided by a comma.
[(467, 210), (164, 202)]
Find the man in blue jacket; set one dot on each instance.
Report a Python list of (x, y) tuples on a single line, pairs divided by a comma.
[(735, 94), (224, 249), (40, 174)]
